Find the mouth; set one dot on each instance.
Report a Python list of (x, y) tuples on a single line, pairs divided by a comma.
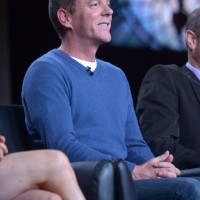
[(104, 24)]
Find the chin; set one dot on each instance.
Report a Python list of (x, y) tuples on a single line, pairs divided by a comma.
[(103, 40), (107, 39)]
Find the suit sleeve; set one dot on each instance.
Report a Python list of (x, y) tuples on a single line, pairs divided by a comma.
[(158, 114)]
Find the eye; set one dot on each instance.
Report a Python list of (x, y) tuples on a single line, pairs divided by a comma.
[(94, 4), (109, 3)]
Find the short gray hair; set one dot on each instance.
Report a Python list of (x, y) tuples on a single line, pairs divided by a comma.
[(54, 6), (193, 22)]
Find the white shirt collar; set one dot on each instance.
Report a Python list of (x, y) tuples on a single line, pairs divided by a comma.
[(86, 64)]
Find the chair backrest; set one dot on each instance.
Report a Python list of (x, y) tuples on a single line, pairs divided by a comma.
[(12, 126)]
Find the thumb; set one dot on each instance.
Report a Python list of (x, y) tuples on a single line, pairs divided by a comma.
[(2, 139), (170, 158), (162, 157)]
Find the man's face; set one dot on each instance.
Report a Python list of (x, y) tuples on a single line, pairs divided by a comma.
[(196, 54), (193, 44), (91, 21)]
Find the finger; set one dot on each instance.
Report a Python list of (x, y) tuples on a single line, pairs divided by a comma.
[(163, 165), (162, 157), (169, 168), (2, 139), (166, 174), (1, 154), (3, 145), (170, 158), (3, 148)]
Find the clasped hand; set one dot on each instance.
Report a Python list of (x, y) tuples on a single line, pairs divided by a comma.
[(158, 167)]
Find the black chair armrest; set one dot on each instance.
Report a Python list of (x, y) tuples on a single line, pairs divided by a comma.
[(125, 189), (190, 172), (96, 179)]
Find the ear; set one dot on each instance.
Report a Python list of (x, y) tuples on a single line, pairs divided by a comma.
[(64, 17), (190, 39)]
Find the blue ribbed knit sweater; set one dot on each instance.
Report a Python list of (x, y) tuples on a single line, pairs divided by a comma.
[(87, 117)]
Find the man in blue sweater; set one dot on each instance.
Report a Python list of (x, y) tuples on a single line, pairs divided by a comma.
[(83, 106)]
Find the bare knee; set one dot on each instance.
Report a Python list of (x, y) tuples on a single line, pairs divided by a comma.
[(58, 161)]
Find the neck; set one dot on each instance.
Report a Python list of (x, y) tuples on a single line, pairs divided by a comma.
[(78, 50), (194, 63)]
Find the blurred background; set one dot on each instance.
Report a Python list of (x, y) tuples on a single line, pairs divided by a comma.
[(144, 33)]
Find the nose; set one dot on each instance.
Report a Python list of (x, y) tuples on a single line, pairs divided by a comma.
[(107, 10)]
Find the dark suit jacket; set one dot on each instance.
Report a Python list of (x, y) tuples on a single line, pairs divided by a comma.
[(168, 110)]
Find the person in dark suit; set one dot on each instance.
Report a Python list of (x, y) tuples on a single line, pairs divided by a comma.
[(168, 106)]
